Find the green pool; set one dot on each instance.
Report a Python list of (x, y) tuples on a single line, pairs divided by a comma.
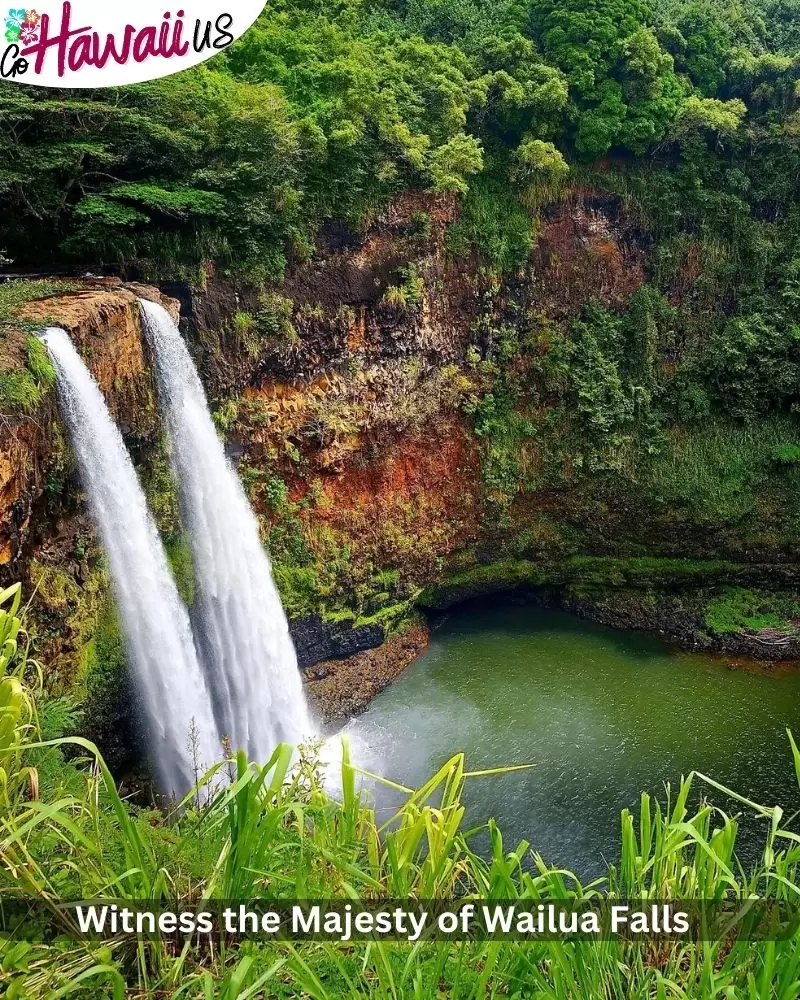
[(602, 714)]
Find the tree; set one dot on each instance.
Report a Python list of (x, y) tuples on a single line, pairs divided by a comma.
[(706, 42), (451, 163), (623, 91), (710, 117), (539, 169), (523, 94)]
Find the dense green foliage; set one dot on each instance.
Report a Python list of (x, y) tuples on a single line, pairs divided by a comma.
[(737, 610), (325, 110)]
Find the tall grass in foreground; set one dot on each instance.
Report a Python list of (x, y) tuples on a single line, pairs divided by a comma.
[(273, 831)]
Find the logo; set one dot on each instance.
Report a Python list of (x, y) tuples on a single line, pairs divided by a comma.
[(89, 43)]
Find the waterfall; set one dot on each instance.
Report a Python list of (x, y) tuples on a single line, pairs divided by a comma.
[(243, 635), (154, 620)]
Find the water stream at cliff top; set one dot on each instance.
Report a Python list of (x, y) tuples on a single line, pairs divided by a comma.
[(242, 631), (154, 620)]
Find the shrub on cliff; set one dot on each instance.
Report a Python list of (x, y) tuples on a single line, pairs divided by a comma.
[(22, 389)]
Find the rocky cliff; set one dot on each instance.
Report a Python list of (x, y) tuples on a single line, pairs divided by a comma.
[(103, 323), (404, 435)]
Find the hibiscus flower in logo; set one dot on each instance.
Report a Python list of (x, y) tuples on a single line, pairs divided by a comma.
[(28, 34), (22, 26), (14, 22)]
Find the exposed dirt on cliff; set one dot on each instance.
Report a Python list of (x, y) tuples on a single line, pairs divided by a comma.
[(355, 269), (588, 249), (412, 503), (22, 456)]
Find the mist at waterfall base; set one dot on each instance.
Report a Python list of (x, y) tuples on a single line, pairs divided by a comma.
[(240, 625), (154, 620)]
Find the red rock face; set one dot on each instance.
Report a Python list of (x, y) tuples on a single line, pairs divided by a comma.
[(416, 501), (588, 249), (396, 466)]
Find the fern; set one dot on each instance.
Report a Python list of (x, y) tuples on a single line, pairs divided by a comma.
[(59, 717)]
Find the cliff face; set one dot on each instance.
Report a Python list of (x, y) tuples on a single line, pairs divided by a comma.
[(394, 420), (47, 539), (103, 323), (400, 424), (353, 384)]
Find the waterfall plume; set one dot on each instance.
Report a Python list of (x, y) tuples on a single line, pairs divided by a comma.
[(242, 631), (154, 620)]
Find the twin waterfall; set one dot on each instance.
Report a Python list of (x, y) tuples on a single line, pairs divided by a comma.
[(232, 673)]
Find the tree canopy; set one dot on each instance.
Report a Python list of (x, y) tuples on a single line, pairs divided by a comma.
[(327, 110)]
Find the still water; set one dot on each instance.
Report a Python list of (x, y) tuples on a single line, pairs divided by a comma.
[(602, 714)]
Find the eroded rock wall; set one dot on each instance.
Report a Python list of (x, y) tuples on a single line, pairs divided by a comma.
[(357, 399)]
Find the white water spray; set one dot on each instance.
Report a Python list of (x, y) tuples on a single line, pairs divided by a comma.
[(243, 635), (155, 621)]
